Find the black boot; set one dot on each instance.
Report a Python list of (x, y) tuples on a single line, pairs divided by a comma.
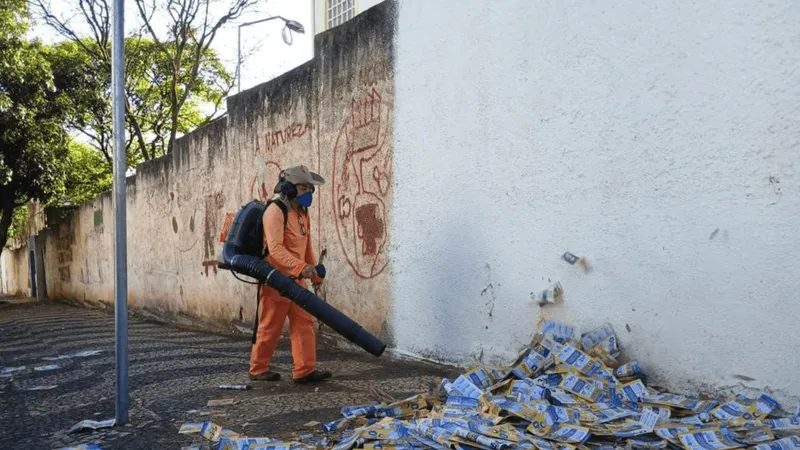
[(266, 376), (314, 377)]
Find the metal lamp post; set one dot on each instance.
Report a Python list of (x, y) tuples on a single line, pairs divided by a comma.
[(120, 228), (290, 25)]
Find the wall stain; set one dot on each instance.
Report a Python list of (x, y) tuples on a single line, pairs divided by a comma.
[(775, 183), (490, 290), (743, 377)]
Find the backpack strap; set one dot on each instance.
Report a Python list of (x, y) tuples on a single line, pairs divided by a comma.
[(283, 208)]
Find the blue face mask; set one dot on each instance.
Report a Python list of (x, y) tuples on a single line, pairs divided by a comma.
[(304, 200)]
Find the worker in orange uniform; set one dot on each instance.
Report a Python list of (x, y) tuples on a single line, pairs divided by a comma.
[(288, 240)]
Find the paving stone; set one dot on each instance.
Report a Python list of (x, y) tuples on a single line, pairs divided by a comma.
[(172, 372)]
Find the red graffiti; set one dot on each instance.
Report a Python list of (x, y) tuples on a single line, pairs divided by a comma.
[(214, 205), (274, 139), (261, 187), (371, 74), (210, 264), (361, 184), (370, 228)]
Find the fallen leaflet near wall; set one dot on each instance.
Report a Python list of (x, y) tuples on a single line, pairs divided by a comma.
[(565, 392)]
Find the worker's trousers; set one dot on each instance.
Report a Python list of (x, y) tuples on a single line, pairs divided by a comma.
[(273, 312)]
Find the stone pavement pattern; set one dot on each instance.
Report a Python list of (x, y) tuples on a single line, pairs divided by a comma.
[(173, 373)]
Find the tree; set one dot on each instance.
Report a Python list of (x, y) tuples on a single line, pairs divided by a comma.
[(89, 85), (168, 75), (33, 144), (87, 175), (147, 72), (189, 38)]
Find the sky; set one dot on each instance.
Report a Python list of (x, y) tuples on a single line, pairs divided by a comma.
[(266, 55)]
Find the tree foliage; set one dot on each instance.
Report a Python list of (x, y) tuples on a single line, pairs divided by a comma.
[(169, 75), (88, 83), (33, 144), (46, 92), (86, 175), (149, 117)]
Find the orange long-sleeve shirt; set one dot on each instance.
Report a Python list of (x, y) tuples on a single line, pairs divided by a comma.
[(290, 249)]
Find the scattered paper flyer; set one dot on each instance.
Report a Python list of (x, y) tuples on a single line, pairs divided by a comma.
[(83, 447), (191, 428), (41, 388), (9, 370), (92, 425), (86, 353), (221, 402), (567, 390)]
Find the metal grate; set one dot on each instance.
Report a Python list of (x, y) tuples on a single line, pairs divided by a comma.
[(339, 11)]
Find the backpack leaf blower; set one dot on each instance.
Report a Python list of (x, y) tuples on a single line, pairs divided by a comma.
[(243, 253)]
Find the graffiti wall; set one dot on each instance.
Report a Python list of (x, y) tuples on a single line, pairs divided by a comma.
[(333, 114)]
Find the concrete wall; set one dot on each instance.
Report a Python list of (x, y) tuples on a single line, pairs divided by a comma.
[(15, 261), (333, 114), (663, 143), (15, 272)]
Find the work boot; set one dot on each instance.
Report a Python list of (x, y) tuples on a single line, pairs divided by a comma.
[(266, 376), (314, 377)]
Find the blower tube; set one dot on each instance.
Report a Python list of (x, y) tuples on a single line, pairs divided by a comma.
[(262, 271)]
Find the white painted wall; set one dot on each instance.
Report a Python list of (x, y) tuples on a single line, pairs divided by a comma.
[(364, 5), (661, 141)]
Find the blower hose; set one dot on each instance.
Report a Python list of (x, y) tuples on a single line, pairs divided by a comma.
[(262, 271)]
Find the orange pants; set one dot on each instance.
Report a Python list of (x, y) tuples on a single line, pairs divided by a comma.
[(273, 312)]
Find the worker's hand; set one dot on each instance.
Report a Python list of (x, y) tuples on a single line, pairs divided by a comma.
[(309, 272)]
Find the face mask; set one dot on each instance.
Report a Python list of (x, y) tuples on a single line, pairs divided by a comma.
[(304, 200)]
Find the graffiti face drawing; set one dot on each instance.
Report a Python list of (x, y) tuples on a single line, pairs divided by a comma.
[(361, 184)]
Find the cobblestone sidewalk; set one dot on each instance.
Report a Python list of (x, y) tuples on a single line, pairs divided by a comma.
[(173, 374)]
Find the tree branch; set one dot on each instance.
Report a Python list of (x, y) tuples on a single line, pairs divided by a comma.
[(147, 19), (63, 29), (137, 130), (88, 134), (98, 28)]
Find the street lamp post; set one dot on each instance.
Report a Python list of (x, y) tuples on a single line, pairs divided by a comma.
[(120, 211), (291, 25)]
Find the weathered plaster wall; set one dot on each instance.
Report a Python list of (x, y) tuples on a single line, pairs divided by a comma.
[(333, 114), (15, 272), (15, 261), (661, 142)]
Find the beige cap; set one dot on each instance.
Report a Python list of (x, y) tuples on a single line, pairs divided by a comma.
[(301, 175)]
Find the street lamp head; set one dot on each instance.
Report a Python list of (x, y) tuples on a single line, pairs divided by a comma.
[(287, 35), (291, 25), (295, 26)]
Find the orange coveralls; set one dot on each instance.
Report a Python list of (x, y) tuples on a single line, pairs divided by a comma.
[(289, 251)]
